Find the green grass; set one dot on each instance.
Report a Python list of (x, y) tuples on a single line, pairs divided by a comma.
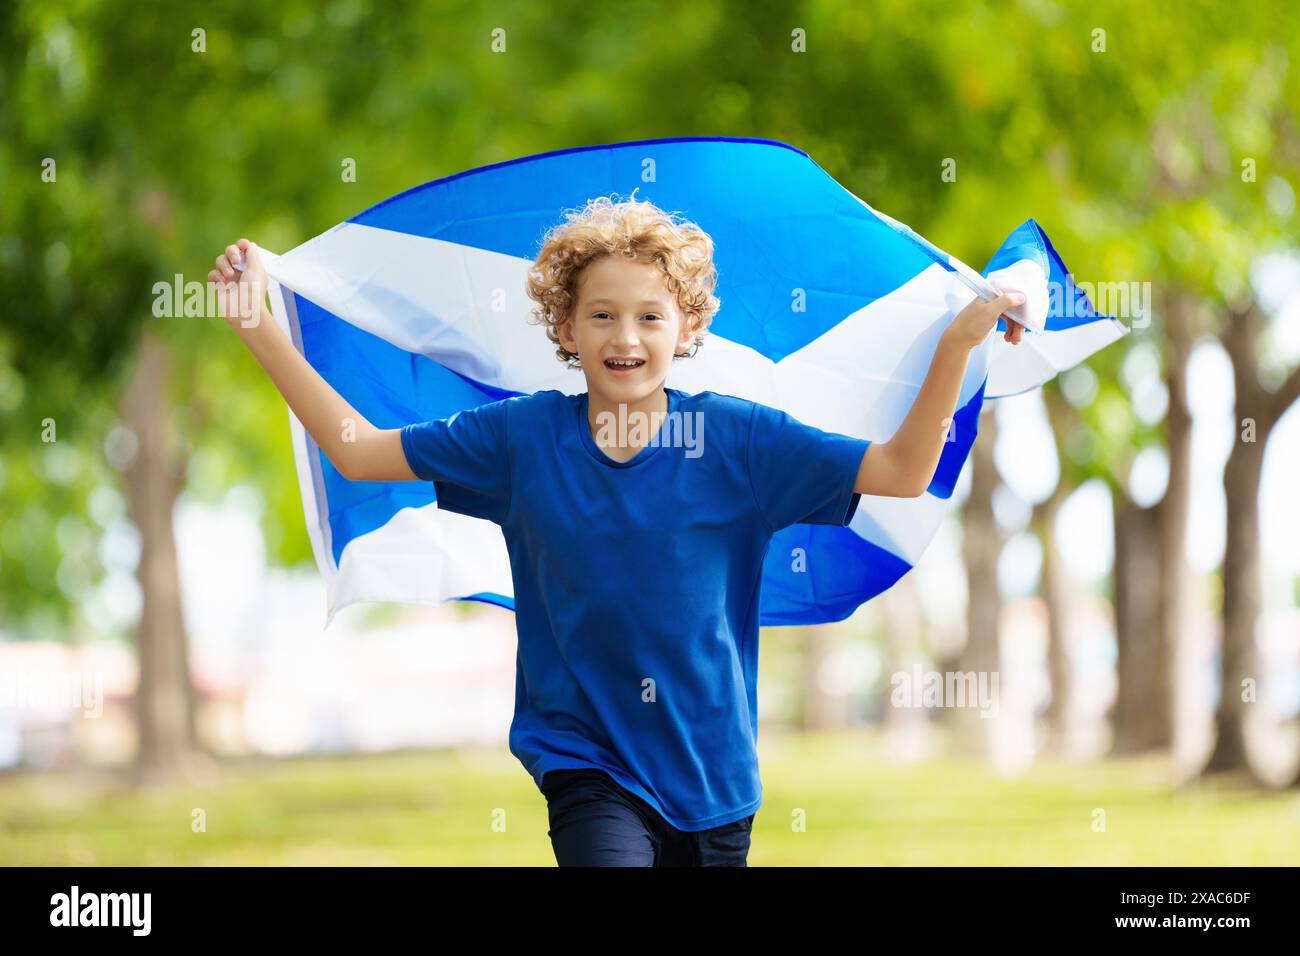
[(859, 808)]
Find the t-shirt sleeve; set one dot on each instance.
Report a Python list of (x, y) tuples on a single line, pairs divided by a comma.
[(801, 474), (467, 457)]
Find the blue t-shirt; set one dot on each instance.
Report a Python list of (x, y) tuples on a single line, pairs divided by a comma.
[(637, 582)]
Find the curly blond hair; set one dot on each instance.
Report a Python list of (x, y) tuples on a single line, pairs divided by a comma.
[(637, 230)]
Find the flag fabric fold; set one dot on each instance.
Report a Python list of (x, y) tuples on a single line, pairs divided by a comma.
[(831, 311)]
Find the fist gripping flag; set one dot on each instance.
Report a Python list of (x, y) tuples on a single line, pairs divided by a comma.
[(831, 311)]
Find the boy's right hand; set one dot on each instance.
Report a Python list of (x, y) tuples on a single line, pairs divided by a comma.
[(240, 295)]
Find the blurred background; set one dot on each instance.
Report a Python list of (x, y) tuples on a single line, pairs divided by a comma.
[(1122, 560)]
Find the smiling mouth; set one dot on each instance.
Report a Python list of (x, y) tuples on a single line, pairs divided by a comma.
[(623, 366)]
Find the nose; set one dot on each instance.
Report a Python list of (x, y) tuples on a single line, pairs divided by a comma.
[(625, 335)]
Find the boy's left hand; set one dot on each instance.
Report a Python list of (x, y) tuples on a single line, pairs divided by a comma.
[(972, 324)]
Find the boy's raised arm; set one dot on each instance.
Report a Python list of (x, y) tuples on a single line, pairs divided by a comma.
[(904, 466), (372, 454)]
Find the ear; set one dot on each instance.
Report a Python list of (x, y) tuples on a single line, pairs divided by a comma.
[(687, 337), (564, 329)]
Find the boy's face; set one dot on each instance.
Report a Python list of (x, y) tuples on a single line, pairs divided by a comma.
[(625, 311)]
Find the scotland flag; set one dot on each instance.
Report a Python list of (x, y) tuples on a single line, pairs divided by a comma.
[(831, 311)]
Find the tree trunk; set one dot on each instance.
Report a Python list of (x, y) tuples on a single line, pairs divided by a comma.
[(1055, 592), (163, 701), (1140, 714), (1241, 604), (1256, 411), (905, 639), (820, 710), (1150, 570), (1171, 515), (981, 546)]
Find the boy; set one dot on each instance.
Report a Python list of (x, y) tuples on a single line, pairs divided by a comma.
[(636, 562)]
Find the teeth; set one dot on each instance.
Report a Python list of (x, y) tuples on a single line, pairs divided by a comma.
[(620, 364)]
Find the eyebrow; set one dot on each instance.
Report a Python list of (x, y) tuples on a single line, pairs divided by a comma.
[(658, 302)]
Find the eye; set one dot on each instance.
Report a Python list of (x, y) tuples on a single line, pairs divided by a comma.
[(653, 315), (597, 315)]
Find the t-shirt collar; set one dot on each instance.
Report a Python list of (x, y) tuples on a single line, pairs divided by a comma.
[(589, 442)]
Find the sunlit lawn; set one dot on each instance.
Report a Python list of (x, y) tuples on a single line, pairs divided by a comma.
[(859, 808)]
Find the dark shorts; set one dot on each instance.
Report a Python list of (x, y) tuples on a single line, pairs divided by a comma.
[(595, 822)]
